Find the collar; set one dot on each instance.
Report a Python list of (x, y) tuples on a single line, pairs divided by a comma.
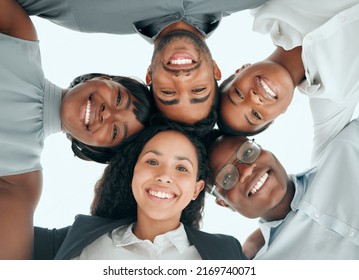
[(123, 236)]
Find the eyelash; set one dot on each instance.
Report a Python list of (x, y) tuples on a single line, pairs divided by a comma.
[(182, 169), (198, 90), (239, 94), (168, 92), (119, 98), (152, 162), (115, 132), (256, 115)]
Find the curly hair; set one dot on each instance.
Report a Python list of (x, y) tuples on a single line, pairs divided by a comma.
[(113, 192), (144, 108)]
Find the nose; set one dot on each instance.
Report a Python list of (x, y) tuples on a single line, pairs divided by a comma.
[(246, 171), (255, 98), (163, 176)]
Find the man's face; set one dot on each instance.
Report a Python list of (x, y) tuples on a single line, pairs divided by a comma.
[(261, 185), (183, 74)]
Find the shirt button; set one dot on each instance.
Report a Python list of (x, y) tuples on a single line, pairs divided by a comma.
[(316, 215), (351, 233), (177, 15)]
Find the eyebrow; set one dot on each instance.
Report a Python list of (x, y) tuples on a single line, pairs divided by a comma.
[(249, 121), (192, 100), (176, 157), (129, 100), (184, 158), (230, 99)]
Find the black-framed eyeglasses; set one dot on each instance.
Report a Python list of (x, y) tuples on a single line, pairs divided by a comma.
[(229, 175)]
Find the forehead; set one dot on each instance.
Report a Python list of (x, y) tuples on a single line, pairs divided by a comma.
[(165, 141), (223, 149)]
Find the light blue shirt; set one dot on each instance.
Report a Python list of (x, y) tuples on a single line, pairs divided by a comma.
[(324, 221), (135, 16), (29, 106)]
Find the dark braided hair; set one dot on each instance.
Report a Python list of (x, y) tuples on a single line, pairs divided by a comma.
[(113, 192), (144, 108)]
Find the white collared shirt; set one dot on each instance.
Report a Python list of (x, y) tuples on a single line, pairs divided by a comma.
[(327, 31), (121, 243)]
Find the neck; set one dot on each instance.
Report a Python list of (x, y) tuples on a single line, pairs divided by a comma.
[(280, 211), (147, 228), (291, 60), (180, 25)]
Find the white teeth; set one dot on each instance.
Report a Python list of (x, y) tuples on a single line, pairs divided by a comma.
[(181, 61), (267, 89), (161, 194), (260, 183), (87, 113)]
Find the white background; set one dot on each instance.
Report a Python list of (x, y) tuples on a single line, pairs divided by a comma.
[(69, 181)]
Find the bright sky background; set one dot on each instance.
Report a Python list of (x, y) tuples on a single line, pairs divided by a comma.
[(69, 181)]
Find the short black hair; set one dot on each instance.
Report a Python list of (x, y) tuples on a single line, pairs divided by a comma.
[(113, 192), (144, 108)]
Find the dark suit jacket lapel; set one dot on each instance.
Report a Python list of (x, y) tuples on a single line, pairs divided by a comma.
[(84, 231)]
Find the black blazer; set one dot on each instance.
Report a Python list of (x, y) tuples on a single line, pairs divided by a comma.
[(67, 243)]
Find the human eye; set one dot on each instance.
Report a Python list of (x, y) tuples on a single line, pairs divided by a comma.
[(238, 93), (151, 162), (247, 154), (256, 115), (227, 179), (119, 98), (115, 132), (168, 92), (198, 90), (182, 168)]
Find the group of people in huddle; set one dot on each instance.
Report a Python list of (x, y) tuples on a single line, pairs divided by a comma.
[(182, 134)]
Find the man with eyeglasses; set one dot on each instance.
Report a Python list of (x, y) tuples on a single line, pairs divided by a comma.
[(312, 215)]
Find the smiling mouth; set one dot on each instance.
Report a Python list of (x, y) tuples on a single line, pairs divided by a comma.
[(88, 111), (269, 92), (161, 195), (259, 184)]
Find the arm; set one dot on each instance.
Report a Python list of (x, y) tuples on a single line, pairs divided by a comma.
[(15, 22), (47, 242), (333, 104), (253, 244), (19, 194)]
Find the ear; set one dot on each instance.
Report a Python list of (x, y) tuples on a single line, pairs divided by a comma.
[(222, 203), (216, 71), (244, 66), (148, 76), (198, 188)]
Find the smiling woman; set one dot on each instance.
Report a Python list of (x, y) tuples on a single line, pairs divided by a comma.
[(148, 205)]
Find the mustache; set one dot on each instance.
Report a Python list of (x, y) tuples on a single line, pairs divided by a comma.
[(180, 71)]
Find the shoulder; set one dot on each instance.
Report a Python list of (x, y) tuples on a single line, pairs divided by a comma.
[(215, 246), (15, 22)]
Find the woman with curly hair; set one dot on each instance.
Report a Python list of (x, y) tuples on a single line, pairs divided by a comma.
[(148, 205)]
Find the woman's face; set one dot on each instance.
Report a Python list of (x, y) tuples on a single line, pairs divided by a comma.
[(165, 177), (255, 96), (99, 112)]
